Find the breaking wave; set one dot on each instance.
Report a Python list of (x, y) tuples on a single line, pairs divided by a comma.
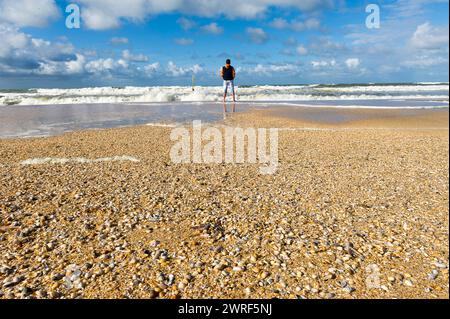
[(268, 93)]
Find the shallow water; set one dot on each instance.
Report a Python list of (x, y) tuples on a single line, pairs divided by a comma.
[(47, 120)]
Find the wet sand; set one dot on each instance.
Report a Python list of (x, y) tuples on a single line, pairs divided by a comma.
[(355, 118), (358, 209), (47, 120)]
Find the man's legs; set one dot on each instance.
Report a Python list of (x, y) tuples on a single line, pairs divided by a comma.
[(225, 90), (232, 88)]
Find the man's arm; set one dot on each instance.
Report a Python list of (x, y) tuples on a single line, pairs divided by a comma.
[(234, 73), (221, 72)]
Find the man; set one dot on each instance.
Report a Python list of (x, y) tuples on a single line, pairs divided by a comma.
[(228, 74)]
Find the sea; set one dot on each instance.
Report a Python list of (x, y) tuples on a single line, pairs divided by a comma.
[(42, 112)]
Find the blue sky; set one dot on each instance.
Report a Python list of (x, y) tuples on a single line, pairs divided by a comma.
[(154, 42)]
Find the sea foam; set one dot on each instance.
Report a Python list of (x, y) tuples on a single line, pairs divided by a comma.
[(265, 93), (77, 160)]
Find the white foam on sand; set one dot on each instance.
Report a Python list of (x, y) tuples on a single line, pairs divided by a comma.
[(77, 160), (163, 125)]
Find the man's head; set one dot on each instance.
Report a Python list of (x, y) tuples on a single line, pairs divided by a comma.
[(228, 62)]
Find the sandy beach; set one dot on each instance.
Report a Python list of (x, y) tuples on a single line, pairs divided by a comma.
[(357, 209)]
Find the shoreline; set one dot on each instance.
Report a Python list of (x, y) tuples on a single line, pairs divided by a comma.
[(23, 123), (355, 118)]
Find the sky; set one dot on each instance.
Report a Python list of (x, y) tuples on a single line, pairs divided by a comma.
[(167, 42)]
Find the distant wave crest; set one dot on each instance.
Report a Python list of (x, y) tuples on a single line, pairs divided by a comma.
[(268, 93)]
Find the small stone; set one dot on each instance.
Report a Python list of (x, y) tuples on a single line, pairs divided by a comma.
[(264, 275), (5, 270), (154, 243), (220, 267), (152, 294), (41, 294), (170, 279), (433, 275), (440, 265), (26, 291), (10, 282), (57, 277), (349, 289), (408, 283)]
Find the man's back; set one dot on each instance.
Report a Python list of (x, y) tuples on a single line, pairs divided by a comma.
[(228, 73)]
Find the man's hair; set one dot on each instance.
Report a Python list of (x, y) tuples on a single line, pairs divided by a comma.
[(228, 61)]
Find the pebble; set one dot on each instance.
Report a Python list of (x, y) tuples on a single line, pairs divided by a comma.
[(264, 275), (10, 282), (440, 265), (408, 283), (152, 294), (26, 291), (57, 277), (348, 289), (433, 275)]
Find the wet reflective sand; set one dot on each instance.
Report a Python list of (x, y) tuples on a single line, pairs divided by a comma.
[(31, 121)]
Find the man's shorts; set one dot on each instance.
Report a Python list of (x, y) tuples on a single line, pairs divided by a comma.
[(227, 85)]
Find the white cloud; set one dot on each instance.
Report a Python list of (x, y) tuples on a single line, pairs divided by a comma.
[(184, 41), (176, 71), (119, 40), (128, 56), (296, 25), (271, 69), (76, 66), (323, 63), (72, 67), (26, 13), (186, 24), (301, 50), (213, 28), (108, 65), (22, 54), (427, 37), (352, 63), (12, 39), (410, 8), (151, 69), (280, 23), (425, 61), (325, 46), (257, 35), (106, 14)]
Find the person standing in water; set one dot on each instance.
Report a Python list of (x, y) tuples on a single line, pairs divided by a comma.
[(228, 74)]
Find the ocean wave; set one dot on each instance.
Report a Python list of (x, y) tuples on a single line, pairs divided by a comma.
[(267, 93)]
